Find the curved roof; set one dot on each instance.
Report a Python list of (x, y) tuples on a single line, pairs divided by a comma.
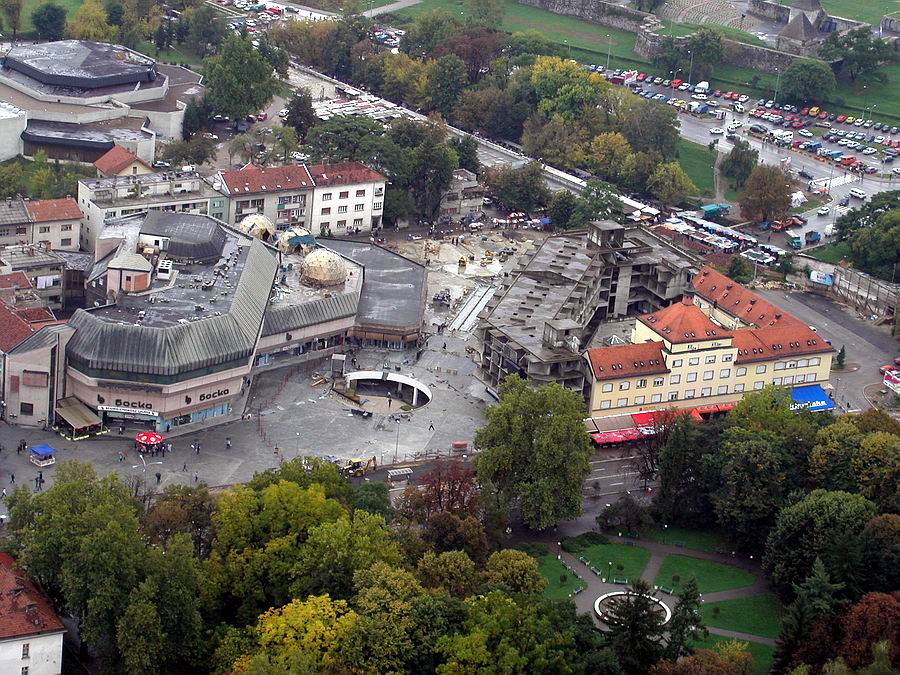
[(191, 237), (324, 268), (257, 226), (81, 64), (100, 344)]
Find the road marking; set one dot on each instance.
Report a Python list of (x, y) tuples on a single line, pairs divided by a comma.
[(611, 484), (617, 459)]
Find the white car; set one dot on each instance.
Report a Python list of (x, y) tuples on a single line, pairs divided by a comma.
[(879, 139), (824, 211), (743, 98), (699, 97), (806, 133), (684, 86), (859, 123), (717, 131), (283, 113), (869, 151), (896, 171), (210, 136)]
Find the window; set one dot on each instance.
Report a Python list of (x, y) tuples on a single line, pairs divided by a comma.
[(658, 381), (692, 377), (66, 228), (673, 395), (622, 402), (607, 388), (779, 365), (725, 372), (26, 648), (758, 385), (741, 371), (344, 194), (738, 388), (760, 369), (342, 209), (676, 363), (26, 408), (357, 222), (708, 374), (792, 364), (623, 386), (639, 400), (706, 391), (815, 361), (726, 358), (325, 224), (689, 393), (342, 223), (326, 197), (24, 670), (604, 405), (35, 378), (376, 206), (656, 398), (800, 379), (723, 389), (694, 361), (360, 193), (789, 379), (776, 381), (641, 384), (65, 242), (674, 379), (44, 229), (359, 207), (326, 211), (710, 359), (802, 363)]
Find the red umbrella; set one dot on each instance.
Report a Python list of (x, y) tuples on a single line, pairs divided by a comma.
[(149, 438)]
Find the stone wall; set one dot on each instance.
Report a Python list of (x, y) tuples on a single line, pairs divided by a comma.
[(766, 9), (595, 11)]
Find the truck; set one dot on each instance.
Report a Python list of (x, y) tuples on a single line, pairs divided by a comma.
[(358, 467), (813, 237), (698, 108), (701, 88), (713, 210), (795, 239)]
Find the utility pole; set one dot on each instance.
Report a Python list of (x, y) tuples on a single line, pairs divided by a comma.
[(608, 49), (691, 70)]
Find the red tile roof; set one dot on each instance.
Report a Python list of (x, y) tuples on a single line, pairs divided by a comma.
[(13, 329), (613, 363), (14, 280), (252, 179), (35, 314), (116, 159), (47, 210), (765, 344), (24, 609), (738, 301), (345, 173), (683, 322)]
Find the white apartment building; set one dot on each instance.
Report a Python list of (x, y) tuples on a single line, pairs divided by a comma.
[(116, 196), (52, 223), (348, 198), (282, 194)]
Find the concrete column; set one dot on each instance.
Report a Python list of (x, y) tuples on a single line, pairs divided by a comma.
[(415, 396)]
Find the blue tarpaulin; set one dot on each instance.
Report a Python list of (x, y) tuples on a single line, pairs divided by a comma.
[(43, 450), (812, 397)]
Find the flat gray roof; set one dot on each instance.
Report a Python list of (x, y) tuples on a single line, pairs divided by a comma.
[(67, 133), (81, 64)]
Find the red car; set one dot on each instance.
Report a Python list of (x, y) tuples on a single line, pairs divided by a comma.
[(642, 77), (884, 370), (823, 115), (797, 124), (717, 93), (262, 116), (840, 118), (789, 117), (677, 83)]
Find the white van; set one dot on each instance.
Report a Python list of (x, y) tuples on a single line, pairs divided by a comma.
[(859, 194), (738, 108)]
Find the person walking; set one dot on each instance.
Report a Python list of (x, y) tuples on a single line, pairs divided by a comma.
[(4, 493), (184, 468), (12, 478), (431, 427), (228, 442), (158, 477), (196, 476)]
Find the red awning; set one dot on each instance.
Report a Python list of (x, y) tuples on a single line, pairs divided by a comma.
[(620, 436), (149, 438)]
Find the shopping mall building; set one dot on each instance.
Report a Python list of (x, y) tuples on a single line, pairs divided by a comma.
[(184, 311)]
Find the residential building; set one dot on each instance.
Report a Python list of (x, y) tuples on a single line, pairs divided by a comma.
[(464, 196), (720, 341), (121, 162), (114, 197), (54, 223), (45, 271), (348, 198), (547, 311), (283, 194), (31, 634)]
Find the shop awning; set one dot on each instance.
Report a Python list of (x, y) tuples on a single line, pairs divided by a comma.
[(811, 397), (42, 450), (76, 414)]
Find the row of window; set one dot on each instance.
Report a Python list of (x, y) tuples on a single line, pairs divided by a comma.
[(721, 390), (345, 194), (326, 210), (357, 222), (42, 229)]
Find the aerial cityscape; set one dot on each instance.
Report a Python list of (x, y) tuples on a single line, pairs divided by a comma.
[(449, 336)]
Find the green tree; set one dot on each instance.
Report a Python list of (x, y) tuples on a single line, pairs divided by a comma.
[(634, 630), (686, 626), (739, 163), (238, 80), (453, 571), (12, 12), (518, 189), (433, 167), (840, 358), (242, 146), (466, 148), (446, 80), (651, 127), (707, 47), (766, 195), (427, 31), (670, 184), (637, 169), (490, 110), (139, 632), (561, 209), (879, 546), (198, 150), (859, 52), (285, 142), (876, 249), (374, 498), (12, 180), (830, 460), (275, 56), (514, 571), (49, 21), (181, 509), (598, 201), (806, 80), (484, 13), (682, 497), (301, 115), (739, 269), (607, 152), (533, 451), (89, 23), (445, 531), (877, 468), (205, 30)]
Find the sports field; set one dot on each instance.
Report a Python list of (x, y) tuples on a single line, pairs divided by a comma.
[(869, 11)]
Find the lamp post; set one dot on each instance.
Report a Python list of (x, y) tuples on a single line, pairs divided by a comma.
[(777, 82), (673, 73), (608, 49), (691, 70), (872, 110), (397, 445)]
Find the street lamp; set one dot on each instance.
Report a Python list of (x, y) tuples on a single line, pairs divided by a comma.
[(569, 47), (608, 49), (691, 70), (777, 82), (673, 73), (397, 446)]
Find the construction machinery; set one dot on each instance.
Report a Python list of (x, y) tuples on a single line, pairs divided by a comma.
[(358, 467)]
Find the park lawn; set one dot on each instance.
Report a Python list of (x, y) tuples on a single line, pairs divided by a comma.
[(175, 54), (830, 253), (698, 161), (869, 11), (763, 655), (756, 614), (699, 540), (682, 29), (551, 569), (28, 6), (711, 576), (633, 560)]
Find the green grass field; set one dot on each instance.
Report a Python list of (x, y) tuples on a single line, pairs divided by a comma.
[(830, 253), (28, 6), (697, 162), (552, 569), (711, 576), (762, 654), (869, 11), (756, 615), (176, 54), (633, 560), (682, 29), (699, 540)]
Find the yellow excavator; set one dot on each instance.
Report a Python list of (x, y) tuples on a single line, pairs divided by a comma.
[(358, 467)]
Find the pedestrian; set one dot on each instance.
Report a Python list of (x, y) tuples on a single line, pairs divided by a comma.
[(12, 478), (168, 426), (227, 442), (431, 427), (4, 493), (198, 448), (41, 476), (1, 447), (184, 468), (158, 477), (196, 476), (445, 345), (193, 446)]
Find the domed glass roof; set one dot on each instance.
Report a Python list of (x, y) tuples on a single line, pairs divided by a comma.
[(324, 268), (258, 226)]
